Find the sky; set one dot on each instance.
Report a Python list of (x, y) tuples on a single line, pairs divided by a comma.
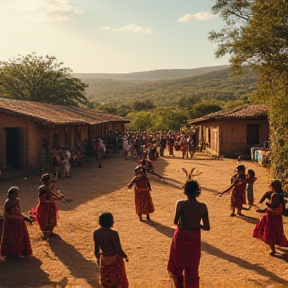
[(112, 36)]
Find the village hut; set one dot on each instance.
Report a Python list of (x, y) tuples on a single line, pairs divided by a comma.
[(233, 132), (29, 130)]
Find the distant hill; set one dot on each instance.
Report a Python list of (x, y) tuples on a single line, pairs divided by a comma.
[(218, 84), (150, 75)]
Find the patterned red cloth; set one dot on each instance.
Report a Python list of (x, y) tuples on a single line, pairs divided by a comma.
[(143, 201), (112, 272), (238, 197), (15, 238), (185, 257), (270, 229), (47, 214)]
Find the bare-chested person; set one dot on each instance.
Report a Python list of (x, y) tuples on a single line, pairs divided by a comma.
[(190, 217), (109, 254)]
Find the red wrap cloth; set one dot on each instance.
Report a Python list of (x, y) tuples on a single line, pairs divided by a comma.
[(46, 215), (238, 197), (112, 272), (270, 229), (184, 257), (15, 238), (143, 201)]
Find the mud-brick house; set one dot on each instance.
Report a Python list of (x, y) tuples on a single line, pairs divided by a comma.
[(233, 132), (29, 130)]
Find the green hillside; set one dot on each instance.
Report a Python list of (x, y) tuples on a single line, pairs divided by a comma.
[(217, 84), (154, 75)]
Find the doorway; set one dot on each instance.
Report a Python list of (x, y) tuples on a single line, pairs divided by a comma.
[(13, 148)]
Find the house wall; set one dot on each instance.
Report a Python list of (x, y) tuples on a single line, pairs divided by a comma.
[(29, 140), (228, 137), (233, 137), (36, 141)]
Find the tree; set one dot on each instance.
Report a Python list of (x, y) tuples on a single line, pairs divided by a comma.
[(143, 105), (256, 34), (203, 108), (40, 79)]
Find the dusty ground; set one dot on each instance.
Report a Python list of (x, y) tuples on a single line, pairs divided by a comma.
[(230, 256)]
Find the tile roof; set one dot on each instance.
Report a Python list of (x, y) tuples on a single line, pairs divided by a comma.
[(49, 114), (241, 112)]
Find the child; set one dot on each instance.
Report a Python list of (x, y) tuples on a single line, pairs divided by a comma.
[(250, 179), (238, 182)]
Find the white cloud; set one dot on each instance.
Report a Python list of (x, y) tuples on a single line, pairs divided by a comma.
[(200, 16), (105, 28), (43, 10), (134, 28)]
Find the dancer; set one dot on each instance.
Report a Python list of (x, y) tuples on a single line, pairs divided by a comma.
[(270, 227), (15, 238), (47, 209), (238, 190), (142, 187), (190, 217), (109, 254)]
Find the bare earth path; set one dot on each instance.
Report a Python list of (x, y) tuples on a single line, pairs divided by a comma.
[(230, 256)]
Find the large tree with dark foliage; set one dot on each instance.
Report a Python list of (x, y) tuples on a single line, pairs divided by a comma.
[(256, 34), (40, 79)]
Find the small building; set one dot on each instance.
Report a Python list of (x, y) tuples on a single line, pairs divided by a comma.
[(233, 132), (30, 130)]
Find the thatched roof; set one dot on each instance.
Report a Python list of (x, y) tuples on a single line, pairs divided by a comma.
[(49, 114), (243, 112)]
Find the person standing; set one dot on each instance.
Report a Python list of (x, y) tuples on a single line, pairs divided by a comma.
[(47, 208), (68, 162), (171, 142), (270, 227), (162, 145), (109, 254), (238, 184), (142, 188), (15, 238), (190, 217), (251, 179)]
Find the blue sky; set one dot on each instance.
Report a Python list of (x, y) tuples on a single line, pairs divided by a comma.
[(111, 36)]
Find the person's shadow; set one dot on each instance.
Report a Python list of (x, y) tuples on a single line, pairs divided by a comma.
[(212, 250), (165, 230), (23, 272), (74, 261)]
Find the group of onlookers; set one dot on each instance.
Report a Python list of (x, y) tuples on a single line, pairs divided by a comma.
[(62, 159)]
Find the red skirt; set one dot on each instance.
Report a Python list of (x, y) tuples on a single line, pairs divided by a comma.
[(238, 197), (112, 272), (46, 215), (270, 230), (185, 255), (15, 239), (143, 201)]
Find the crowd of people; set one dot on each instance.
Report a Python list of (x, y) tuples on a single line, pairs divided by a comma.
[(191, 216)]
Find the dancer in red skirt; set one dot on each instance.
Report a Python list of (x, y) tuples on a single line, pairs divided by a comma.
[(270, 227), (238, 194), (142, 187), (15, 238), (190, 217), (109, 254), (46, 211)]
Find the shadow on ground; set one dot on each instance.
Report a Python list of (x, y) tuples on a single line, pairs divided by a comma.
[(27, 273)]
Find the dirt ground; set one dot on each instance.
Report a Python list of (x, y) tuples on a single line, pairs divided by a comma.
[(230, 256)]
